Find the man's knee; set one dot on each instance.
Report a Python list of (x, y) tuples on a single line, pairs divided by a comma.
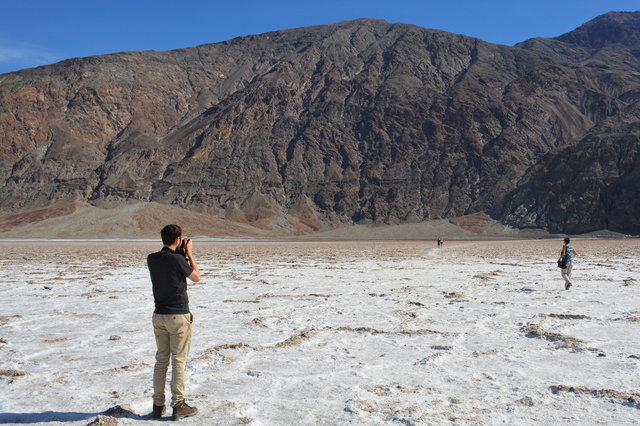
[(179, 362), (163, 357)]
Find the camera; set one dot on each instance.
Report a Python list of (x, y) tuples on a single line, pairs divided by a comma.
[(182, 248)]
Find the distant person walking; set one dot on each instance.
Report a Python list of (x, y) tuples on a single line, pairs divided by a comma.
[(172, 320), (567, 254)]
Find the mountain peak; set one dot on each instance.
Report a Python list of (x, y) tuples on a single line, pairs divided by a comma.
[(610, 28)]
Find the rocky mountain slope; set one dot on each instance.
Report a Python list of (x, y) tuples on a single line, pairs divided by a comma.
[(353, 123)]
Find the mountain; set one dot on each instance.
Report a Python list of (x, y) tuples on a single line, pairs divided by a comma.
[(360, 122), (614, 28)]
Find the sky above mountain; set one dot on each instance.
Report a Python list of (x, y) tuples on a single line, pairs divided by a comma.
[(38, 32)]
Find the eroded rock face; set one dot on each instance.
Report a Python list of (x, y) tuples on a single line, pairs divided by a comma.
[(361, 121), (592, 185)]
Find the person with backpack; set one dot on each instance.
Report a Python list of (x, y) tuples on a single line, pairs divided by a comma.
[(566, 255)]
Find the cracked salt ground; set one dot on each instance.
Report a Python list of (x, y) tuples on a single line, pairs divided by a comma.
[(329, 333)]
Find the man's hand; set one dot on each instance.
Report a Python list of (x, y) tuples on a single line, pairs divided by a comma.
[(188, 248)]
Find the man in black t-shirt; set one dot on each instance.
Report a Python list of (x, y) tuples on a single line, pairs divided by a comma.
[(172, 320)]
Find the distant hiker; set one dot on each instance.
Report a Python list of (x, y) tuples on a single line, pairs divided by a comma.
[(172, 320), (567, 254)]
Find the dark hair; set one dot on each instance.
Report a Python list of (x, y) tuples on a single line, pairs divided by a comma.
[(169, 234), (567, 240)]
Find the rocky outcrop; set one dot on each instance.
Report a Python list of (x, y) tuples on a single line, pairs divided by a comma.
[(357, 122), (593, 185)]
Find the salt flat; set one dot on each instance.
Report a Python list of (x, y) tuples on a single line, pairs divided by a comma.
[(478, 332)]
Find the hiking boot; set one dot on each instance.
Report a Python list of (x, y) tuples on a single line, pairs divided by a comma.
[(182, 410), (567, 285), (158, 411)]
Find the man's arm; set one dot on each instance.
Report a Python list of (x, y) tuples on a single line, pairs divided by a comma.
[(195, 275)]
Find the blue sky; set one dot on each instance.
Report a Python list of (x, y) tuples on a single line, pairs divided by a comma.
[(38, 32)]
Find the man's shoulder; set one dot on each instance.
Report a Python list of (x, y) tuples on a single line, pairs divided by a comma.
[(155, 255), (166, 255), (163, 254)]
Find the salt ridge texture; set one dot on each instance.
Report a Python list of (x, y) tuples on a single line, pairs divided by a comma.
[(329, 333)]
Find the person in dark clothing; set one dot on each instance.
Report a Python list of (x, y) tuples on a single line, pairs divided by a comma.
[(172, 320)]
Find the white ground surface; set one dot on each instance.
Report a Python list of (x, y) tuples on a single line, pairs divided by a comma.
[(330, 333)]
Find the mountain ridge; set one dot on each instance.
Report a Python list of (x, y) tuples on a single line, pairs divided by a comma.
[(314, 128), (610, 28)]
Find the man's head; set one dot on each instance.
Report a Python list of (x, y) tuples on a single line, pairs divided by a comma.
[(169, 234), (567, 240)]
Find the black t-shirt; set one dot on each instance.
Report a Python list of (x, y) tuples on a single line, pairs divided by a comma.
[(169, 272)]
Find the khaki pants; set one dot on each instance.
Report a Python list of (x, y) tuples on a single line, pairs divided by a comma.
[(566, 272), (173, 339)]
